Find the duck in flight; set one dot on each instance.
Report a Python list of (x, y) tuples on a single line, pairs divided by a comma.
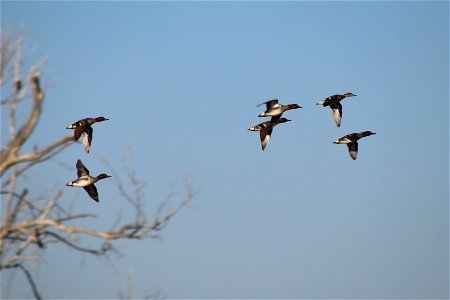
[(334, 102), (86, 181), (265, 129), (83, 127), (273, 108), (352, 141)]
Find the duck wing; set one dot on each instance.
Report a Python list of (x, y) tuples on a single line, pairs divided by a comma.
[(336, 98), (81, 169), (275, 119), (270, 104), (92, 192), (264, 134), (78, 132), (87, 138), (80, 127), (353, 149), (337, 113)]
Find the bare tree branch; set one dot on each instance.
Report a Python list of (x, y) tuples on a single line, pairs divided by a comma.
[(75, 246), (28, 127), (38, 157), (44, 154), (33, 221), (29, 279), (10, 156)]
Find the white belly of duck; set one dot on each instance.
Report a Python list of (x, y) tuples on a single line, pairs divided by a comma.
[(272, 112), (343, 141), (82, 182)]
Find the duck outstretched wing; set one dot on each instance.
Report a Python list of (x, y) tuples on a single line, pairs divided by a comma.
[(264, 134), (92, 192), (337, 113), (276, 118), (78, 132), (270, 104), (353, 149), (87, 138), (81, 169)]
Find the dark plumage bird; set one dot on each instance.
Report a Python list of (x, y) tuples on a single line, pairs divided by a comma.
[(352, 141), (265, 129), (83, 127), (273, 108), (334, 103), (86, 181)]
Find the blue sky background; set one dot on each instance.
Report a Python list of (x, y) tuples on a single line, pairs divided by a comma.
[(180, 82)]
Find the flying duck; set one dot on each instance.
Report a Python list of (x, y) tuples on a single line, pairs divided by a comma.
[(273, 108), (352, 141), (334, 103), (83, 127), (265, 129), (86, 181)]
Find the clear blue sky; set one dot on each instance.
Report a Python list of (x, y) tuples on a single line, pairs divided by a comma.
[(180, 82)]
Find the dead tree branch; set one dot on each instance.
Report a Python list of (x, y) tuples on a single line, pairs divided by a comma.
[(32, 221), (29, 279)]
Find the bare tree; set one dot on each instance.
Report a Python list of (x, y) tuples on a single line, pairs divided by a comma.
[(32, 221)]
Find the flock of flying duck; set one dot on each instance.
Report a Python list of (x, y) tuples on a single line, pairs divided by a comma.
[(275, 110), (83, 128)]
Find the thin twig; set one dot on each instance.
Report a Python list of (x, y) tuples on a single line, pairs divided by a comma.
[(29, 279), (73, 245)]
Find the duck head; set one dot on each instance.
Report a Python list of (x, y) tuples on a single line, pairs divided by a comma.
[(283, 120), (100, 119), (367, 133), (349, 94), (294, 106), (102, 176)]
